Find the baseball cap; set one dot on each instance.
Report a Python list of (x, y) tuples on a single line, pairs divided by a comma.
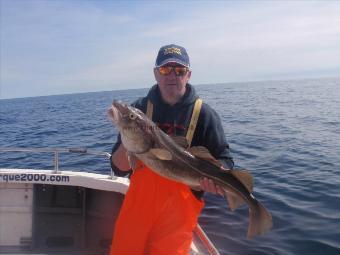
[(172, 53)]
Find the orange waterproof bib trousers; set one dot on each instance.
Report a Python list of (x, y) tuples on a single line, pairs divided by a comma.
[(157, 217)]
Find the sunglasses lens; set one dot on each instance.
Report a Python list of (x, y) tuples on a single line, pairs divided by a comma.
[(180, 71), (164, 70)]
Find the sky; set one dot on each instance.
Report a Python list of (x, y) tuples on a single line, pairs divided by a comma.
[(50, 47)]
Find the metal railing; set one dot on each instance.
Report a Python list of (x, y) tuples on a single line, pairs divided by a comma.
[(206, 241), (56, 152)]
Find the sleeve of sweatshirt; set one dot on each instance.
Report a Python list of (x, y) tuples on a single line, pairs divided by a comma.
[(115, 169), (214, 137)]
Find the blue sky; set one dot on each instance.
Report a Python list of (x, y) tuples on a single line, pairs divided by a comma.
[(59, 47)]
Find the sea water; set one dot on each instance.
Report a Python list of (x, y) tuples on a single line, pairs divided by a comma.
[(287, 133)]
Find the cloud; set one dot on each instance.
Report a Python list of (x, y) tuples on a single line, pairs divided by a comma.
[(70, 46)]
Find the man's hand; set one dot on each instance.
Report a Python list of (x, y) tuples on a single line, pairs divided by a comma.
[(120, 159), (209, 186)]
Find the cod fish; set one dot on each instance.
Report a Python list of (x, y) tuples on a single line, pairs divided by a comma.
[(170, 158)]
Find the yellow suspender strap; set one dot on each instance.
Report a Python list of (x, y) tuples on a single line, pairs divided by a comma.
[(193, 121), (149, 110)]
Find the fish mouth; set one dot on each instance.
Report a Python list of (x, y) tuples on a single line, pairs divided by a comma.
[(116, 111), (120, 107), (114, 114)]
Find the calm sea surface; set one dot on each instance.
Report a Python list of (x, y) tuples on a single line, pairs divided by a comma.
[(286, 132)]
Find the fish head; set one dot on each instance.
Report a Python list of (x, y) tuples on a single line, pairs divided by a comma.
[(134, 127)]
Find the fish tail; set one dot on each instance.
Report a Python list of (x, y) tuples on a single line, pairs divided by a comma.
[(260, 220)]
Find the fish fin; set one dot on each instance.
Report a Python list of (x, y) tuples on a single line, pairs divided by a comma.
[(234, 201), (260, 220), (132, 160), (203, 153), (245, 177), (181, 141), (161, 154)]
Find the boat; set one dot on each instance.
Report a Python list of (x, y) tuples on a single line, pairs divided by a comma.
[(59, 212)]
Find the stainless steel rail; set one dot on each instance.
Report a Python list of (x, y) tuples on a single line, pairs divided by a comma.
[(206, 241), (56, 152)]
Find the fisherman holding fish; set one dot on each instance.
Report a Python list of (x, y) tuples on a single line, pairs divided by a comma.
[(174, 149)]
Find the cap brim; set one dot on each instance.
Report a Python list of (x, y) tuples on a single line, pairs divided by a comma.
[(172, 60)]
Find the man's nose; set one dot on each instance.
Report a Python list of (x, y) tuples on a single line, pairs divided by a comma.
[(172, 74)]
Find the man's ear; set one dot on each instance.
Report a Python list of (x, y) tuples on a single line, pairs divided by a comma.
[(155, 72)]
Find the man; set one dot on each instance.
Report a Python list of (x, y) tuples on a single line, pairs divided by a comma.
[(158, 215)]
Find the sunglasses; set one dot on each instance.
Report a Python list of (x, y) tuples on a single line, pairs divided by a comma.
[(179, 70)]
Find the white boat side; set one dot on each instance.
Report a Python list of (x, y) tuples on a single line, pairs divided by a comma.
[(71, 178)]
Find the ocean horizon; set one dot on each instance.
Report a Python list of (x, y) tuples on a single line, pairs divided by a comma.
[(254, 82)]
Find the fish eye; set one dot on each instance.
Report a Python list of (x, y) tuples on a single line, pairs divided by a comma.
[(132, 116)]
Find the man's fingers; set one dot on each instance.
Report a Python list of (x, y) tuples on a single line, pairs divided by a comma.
[(220, 190), (208, 185), (203, 183), (212, 187)]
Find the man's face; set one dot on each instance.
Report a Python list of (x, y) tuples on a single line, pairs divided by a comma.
[(172, 85)]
